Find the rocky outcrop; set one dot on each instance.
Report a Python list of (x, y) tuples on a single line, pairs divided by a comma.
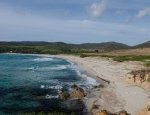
[(140, 78), (76, 93), (72, 100), (63, 95), (104, 112)]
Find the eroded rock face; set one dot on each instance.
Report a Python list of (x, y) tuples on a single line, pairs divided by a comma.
[(140, 78)]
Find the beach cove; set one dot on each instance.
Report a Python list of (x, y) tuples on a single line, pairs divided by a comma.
[(104, 80), (118, 95)]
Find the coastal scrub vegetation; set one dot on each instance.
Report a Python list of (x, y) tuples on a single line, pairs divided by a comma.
[(131, 58), (58, 47), (142, 58)]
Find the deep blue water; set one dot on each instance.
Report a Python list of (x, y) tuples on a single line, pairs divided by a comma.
[(31, 83)]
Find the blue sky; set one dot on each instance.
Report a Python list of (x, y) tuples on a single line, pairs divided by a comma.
[(75, 21)]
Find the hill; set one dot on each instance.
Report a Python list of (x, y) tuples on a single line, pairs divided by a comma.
[(143, 45), (88, 47), (106, 46)]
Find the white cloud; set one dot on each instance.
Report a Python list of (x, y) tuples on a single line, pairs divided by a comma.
[(97, 8), (144, 12)]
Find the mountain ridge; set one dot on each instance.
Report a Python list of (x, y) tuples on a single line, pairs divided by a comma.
[(61, 47)]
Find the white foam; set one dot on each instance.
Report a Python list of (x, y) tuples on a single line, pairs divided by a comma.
[(50, 96), (42, 86), (57, 87), (43, 59), (88, 80), (53, 81), (31, 68), (58, 67)]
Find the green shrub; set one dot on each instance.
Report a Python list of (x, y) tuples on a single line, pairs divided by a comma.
[(147, 64), (83, 55), (131, 58)]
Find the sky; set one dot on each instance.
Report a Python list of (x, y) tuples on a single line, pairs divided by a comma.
[(75, 21)]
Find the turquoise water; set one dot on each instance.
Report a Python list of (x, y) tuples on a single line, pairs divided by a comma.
[(31, 83)]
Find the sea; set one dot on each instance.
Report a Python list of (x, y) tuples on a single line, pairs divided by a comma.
[(31, 83)]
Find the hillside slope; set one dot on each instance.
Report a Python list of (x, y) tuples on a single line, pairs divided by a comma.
[(143, 45)]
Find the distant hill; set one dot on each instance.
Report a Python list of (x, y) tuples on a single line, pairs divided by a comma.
[(107, 46), (143, 45), (31, 43), (61, 47)]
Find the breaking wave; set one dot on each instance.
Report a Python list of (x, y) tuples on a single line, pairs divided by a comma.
[(43, 59)]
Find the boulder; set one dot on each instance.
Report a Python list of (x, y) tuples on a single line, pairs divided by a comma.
[(77, 92), (63, 95)]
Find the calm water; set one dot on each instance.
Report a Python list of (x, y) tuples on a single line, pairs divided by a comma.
[(31, 83)]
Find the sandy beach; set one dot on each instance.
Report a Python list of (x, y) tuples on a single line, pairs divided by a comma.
[(118, 95)]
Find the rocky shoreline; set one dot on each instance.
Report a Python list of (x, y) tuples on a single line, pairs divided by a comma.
[(75, 101), (118, 95)]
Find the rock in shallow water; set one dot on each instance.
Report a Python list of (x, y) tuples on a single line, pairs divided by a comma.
[(63, 95), (72, 101), (76, 93), (72, 105)]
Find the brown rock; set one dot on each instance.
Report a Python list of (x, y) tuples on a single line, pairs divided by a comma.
[(77, 92), (103, 112), (123, 113), (63, 95)]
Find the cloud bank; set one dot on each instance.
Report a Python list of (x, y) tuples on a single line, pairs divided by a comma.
[(98, 8), (144, 12)]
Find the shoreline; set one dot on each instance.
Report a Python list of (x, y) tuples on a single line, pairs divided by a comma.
[(118, 94)]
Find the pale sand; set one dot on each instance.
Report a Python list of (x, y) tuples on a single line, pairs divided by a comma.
[(118, 95)]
